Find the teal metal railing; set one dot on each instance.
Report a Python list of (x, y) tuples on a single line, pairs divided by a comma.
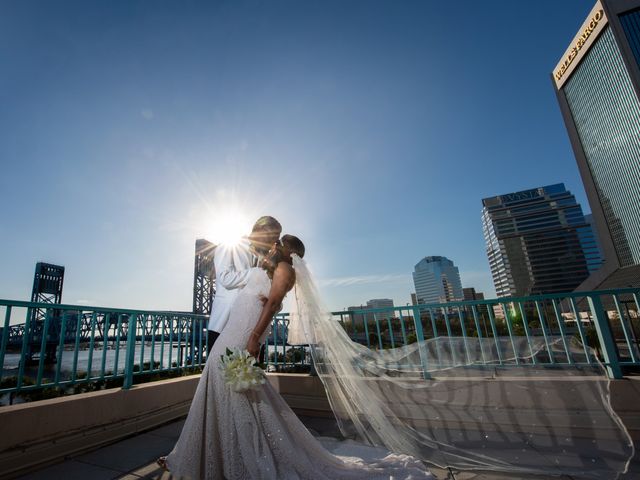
[(61, 346), (579, 329), (44, 346)]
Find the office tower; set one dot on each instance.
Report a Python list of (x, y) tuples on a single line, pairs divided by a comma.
[(538, 241), (471, 294), (437, 280), (589, 219), (382, 303), (597, 82)]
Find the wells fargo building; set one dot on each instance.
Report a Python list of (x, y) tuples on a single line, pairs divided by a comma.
[(597, 81)]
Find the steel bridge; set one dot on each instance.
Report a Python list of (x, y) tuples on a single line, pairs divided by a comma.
[(45, 324), (83, 327), (101, 326)]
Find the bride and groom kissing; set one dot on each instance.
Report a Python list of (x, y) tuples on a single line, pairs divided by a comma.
[(254, 434), (263, 248)]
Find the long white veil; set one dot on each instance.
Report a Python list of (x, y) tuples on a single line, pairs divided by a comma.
[(462, 415)]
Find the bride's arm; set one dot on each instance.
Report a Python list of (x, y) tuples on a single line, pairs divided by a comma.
[(283, 278)]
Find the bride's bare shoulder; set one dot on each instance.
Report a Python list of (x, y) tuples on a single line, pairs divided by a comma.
[(284, 268), (284, 272)]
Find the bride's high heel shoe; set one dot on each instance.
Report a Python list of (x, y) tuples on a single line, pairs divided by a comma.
[(162, 462)]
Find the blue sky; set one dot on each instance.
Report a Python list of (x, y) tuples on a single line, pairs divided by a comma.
[(371, 129)]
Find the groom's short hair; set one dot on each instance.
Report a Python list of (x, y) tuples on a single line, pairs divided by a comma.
[(267, 224)]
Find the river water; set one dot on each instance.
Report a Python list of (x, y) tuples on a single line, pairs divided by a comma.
[(171, 356)]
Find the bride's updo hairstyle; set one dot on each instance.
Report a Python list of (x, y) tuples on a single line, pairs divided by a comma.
[(293, 244), (282, 251)]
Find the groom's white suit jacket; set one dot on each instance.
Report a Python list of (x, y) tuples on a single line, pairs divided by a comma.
[(233, 265)]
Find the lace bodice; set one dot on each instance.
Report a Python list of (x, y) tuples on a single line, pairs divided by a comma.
[(246, 311)]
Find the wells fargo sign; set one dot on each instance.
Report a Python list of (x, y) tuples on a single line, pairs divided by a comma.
[(590, 29)]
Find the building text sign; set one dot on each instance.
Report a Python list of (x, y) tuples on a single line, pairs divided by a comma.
[(518, 196), (587, 34)]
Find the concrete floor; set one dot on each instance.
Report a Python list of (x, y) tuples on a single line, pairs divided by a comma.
[(134, 458)]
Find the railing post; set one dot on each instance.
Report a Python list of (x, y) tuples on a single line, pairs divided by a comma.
[(507, 321), (421, 345), (5, 338), (25, 344), (609, 350), (131, 352)]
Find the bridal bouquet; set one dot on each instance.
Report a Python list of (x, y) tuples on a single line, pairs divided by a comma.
[(240, 371)]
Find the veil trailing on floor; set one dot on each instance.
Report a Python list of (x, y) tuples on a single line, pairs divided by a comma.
[(464, 411)]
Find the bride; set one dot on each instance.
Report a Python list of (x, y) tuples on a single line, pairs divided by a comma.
[(254, 434)]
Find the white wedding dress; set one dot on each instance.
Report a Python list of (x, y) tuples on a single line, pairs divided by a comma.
[(255, 435)]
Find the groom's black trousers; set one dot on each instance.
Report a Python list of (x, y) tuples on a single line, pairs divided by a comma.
[(211, 339)]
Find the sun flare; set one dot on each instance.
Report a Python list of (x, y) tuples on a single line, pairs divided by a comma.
[(228, 228)]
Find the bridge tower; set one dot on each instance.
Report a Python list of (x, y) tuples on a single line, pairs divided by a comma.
[(204, 277), (204, 284), (47, 288)]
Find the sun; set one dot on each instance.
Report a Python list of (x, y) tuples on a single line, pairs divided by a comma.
[(228, 228)]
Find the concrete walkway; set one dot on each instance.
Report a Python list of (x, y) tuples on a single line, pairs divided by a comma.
[(134, 458)]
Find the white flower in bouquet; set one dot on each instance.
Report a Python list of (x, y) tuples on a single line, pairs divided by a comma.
[(240, 371)]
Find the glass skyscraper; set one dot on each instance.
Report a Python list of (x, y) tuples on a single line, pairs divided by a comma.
[(538, 241), (437, 280), (598, 86)]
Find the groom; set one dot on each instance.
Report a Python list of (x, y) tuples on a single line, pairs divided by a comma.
[(233, 264)]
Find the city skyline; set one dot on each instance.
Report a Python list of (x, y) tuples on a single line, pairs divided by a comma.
[(127, 128)]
